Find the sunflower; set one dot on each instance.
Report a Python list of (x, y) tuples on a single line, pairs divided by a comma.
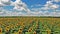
[(34, 32), (29, 30), (20, 31), (0, 30), (7, 29), (48, 30)]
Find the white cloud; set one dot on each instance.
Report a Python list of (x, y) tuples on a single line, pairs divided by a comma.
[(21, 6), (9, 13), (18, 5), (5, 2), (1, 4), (37, 13), (55, 0), (50, 5), (45, 10)]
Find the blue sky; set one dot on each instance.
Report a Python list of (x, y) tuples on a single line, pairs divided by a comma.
[(30, 7), (32, 2), (29, 3)]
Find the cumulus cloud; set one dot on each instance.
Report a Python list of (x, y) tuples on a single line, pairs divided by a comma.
[(49, 9), (55, 0), (5, 2), (10, 13), (50, 5), (20, 6)]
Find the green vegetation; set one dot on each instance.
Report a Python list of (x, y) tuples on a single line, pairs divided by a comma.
[(29, 25)]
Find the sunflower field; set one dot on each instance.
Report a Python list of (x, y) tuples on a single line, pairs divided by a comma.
[(29, 25)]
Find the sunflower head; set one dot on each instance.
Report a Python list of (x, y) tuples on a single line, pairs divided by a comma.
[(29, 30), (34, 32), (7, 28), (0, 30)]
